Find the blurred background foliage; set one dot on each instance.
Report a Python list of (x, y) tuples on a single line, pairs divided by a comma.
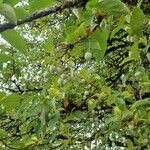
[(75, 79)]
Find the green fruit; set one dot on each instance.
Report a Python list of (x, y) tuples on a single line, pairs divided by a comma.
[(84, 97), (65, 81), (107, 26), (128, 38), (86, 93), (89, 86), (63, 76), (53, 69), (87, 56), (92, 104), (59, 70), (60, 81), (132, 39), (83, 80)]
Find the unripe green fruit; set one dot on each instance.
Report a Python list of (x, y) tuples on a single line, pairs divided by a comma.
[(137, 74), (63, 58), (130, 54), (83, 80), (59, 70), (107, 26), (132, 39), (53, 69), (89, 86), (84, 97), (87, 56), (86, 93), (128, 38), (93, 111), (63, 76), (65, 81), (126, 29), (102, 25), (91, 105), (60, 81)]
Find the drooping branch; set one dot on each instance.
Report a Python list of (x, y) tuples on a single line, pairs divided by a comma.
[(42, 13)]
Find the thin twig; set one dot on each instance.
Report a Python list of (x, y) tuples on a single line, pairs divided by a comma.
[(44, 12)]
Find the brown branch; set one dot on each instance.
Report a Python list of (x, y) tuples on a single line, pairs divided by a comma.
[(24, 90), (44, 12)]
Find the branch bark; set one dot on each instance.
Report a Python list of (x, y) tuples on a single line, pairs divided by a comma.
[(42, 13)]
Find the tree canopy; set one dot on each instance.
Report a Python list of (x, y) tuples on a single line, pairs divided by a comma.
[(74, 74)]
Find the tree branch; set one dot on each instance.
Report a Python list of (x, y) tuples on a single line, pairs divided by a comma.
[(42, 13)]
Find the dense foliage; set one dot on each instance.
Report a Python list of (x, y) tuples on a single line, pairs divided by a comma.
[(75, 74)]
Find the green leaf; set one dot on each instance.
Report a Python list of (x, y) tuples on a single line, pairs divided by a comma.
[(113, 7), (2, 94), (117, 113), (77, 51), (91, 3), (92, 104), (126, 94), (69, 31), (98, 42), (116, 30), (80, 31), (13, 38), (84, 73), (8, 12), (21, 13), (130, 144), (18, 144), (43, 117), (106, 90), (11, 2), (137, 21), (1, 148), (77, 115), (140, 103), (38, 4), (4, 58), (110, 120), (135, 50), (103, 37), (120, 103), (3, 133), (77, 12), (111, 99), (127, 59), (120, 25), (45, 111), (53, 92), (127, 114), (49, 45), (10, 102)]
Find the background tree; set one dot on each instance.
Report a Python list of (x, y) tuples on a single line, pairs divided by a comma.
[(75, 74)]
